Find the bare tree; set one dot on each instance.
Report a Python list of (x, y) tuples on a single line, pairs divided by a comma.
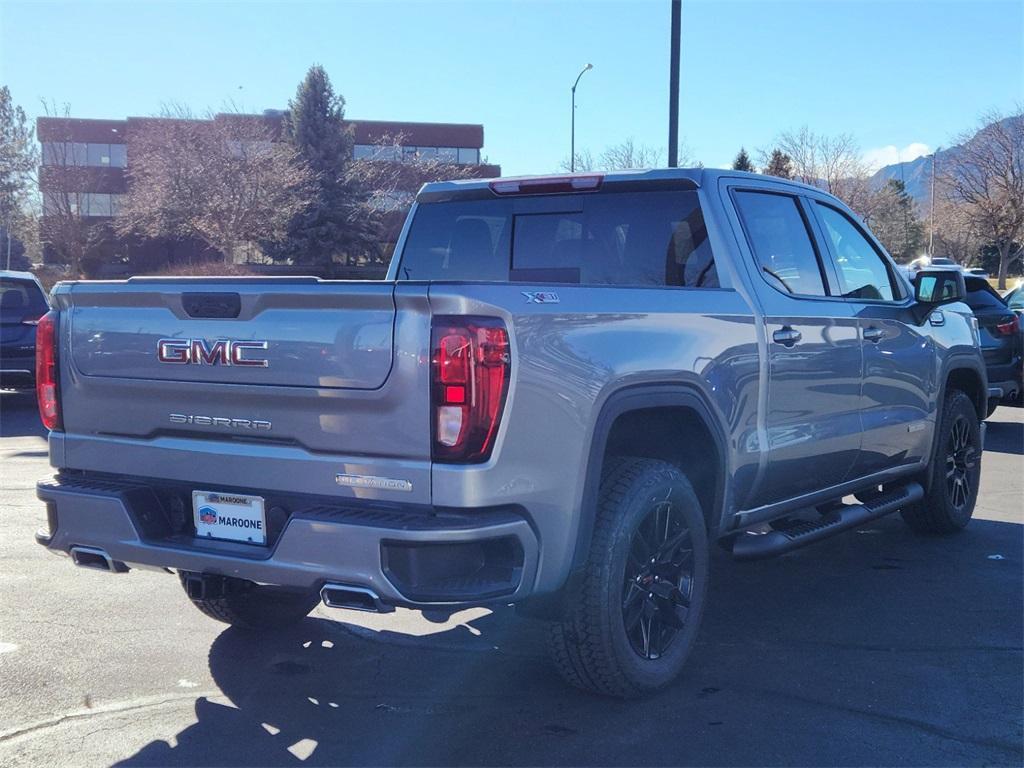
[(984, 179), (626, 155), (224, 181), (956, 236), (833, 163), (391, 175), (584, 162)]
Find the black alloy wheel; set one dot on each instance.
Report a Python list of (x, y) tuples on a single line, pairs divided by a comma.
[(659, 580), (961, 459)]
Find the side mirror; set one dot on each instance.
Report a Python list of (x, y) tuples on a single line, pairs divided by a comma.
[(934, 287)]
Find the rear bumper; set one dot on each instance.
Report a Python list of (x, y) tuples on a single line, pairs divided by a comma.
[(412, 557)]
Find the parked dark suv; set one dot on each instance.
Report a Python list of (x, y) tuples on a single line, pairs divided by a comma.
[(1000, 333), (22, 303)]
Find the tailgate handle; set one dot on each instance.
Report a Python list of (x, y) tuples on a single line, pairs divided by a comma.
[(211, 304)]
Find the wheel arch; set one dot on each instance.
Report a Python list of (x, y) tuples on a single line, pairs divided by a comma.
[(668, 410), (968, 375)]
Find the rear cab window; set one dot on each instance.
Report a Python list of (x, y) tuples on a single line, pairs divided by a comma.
[(634, 238)]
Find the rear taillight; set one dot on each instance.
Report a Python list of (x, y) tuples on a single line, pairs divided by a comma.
[(1010, 327), (470, 370), (47, 391)]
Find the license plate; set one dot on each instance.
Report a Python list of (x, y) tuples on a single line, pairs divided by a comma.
[(229, 516)]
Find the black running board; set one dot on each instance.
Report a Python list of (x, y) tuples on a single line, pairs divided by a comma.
[(753, 546)]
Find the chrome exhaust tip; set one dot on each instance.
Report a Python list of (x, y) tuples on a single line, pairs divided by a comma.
[(96, 559), (352, 598)]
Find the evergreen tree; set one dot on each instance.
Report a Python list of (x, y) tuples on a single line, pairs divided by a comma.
[(779, 164), (18, 160), (895, 223), (335, 223), (743, 162)]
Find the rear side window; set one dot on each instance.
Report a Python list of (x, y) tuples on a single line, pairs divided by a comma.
[(611, 238), (20, 298), (781, 242)]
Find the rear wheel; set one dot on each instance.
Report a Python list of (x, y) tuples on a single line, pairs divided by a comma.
[(949, 501), (630, 625), (253, 606)]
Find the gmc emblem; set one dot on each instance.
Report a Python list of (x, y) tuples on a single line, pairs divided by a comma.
[(201, 352)]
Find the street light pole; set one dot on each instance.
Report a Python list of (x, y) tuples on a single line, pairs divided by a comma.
[(572, 136)]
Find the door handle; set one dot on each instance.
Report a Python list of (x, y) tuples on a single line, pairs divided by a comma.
[(873, 334), (786, 336)]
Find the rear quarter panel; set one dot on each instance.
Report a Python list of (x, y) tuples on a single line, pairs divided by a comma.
[(568, 359)]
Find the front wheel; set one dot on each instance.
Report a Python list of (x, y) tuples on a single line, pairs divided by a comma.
[(631, 623), (956, 471)]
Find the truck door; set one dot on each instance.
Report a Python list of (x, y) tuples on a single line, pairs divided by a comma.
[(899, 377), (812, 422)]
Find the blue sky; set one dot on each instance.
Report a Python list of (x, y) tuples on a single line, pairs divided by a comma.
[(901, 77)]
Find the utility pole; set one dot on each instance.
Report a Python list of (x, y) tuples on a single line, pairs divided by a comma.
[(673, 86), (931, 217)]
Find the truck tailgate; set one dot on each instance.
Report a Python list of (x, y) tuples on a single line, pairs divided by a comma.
[(331, 378), (339, 338)]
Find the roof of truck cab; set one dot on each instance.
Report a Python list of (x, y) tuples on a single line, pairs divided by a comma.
[(698, 177)]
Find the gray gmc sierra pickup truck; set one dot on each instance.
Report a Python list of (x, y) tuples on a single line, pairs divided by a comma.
[(565, 391)]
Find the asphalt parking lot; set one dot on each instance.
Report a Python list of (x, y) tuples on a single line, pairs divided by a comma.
[(877, 647)]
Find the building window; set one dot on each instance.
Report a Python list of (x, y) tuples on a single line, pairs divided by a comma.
[(96, 204), (52, 153), (83, 203), (97, 154), (51, 204), (461, 155), (80, 153)]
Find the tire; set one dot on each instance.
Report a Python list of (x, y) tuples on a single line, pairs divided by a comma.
[(591, 645), (255, 607), (949, 500)]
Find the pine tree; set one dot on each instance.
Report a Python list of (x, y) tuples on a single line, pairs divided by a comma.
[(330, 226), (18, 159), (779, 164), (743, 162), (895, 223)]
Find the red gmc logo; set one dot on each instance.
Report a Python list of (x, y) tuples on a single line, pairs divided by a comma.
[(201, 352)]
